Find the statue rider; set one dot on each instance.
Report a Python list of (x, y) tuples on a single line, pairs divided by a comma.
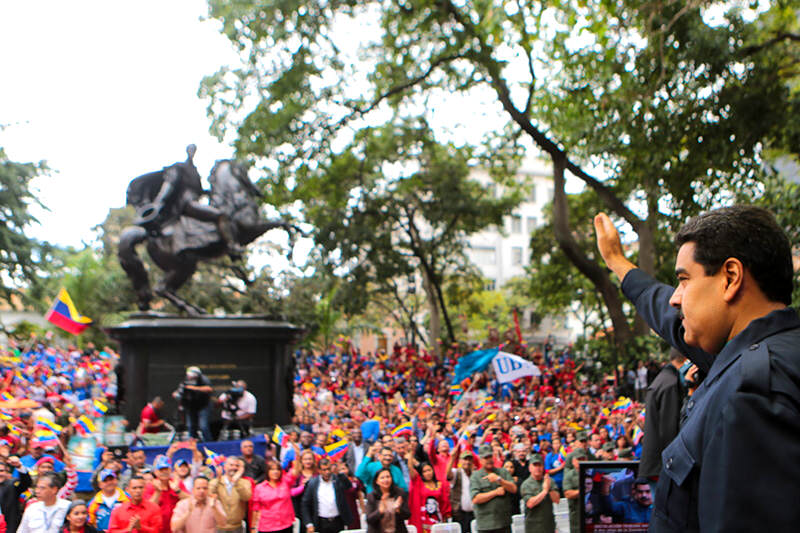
[(180, 191)]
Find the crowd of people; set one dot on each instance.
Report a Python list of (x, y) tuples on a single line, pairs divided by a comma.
[(377, 441)]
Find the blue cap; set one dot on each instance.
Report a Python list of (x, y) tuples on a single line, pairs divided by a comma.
[(106, 473), (180, 462), (162, 461)]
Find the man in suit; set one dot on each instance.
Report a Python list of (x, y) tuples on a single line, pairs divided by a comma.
[(10, 490), (663, 407), (356, 450), (325, 508)]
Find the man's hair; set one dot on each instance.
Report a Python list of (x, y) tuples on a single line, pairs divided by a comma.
[(323, 462), (136, 478), (676, 355), (201, 476), (749, 234), (52, 479), (640, 481)]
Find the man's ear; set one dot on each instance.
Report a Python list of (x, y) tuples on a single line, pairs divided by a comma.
[(733, 272)]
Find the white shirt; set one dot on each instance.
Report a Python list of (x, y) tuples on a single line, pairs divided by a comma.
[(246, 405), (326, 499), (466, 499), (358, 454), (39, 518)]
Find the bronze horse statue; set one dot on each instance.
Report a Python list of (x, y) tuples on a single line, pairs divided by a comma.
[(181, 231)]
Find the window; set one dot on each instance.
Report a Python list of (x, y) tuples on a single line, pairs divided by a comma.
[(516, 255), (490, 285), (533, 193), (516, 224), (484, 255), (531, 224)]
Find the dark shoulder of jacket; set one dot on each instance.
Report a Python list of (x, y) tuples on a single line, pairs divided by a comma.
[(773, 365)]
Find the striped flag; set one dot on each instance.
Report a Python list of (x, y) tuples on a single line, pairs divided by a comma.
[(455, 390), (402, 407), (336, 450), (45, 438), (637, 435), (46, 425), (84, 425), (279, 437), (403, 429), (213, 458), (99, 408)]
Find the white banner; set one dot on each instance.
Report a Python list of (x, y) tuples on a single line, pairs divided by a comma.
[(509, 367)]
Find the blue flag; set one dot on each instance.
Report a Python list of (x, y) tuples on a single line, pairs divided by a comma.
[(370, 430), (473, 362)]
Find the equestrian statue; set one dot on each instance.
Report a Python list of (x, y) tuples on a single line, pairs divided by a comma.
[(181, 231)]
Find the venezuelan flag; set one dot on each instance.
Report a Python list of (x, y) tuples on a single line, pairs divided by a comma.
[(84, 425), (622, 404), (455, 390), (402, 407), (336, 450), (99, 408), (213, 458), (279, 437), (429, 402), (45, 425), (64, 315), (403, 429), (46, 438)]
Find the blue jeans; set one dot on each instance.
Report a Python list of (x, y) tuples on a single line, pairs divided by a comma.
[(198, 419)]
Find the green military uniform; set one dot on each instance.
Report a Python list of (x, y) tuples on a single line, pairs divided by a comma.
[(572, 482), (540, 519), (496, 513)]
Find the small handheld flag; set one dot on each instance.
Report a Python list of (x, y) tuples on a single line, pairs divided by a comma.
[(45, 438), (336, 450), (403, 429), (279, 437), (45, 425), (213, 458), (84, 425), (99, 408), (64, 315)]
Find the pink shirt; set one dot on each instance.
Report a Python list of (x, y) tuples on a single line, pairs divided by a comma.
[(275, 504)]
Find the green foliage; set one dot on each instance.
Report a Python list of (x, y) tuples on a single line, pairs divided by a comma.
[(675, 102), (395, 202), (18, 252)]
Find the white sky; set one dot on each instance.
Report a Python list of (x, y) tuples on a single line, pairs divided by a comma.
[(104, 91)]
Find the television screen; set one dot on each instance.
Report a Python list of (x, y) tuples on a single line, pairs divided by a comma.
[(613, 498)]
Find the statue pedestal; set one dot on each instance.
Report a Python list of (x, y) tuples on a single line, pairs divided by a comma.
[(157, 349)]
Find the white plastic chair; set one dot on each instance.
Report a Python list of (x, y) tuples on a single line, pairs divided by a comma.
[(518, 523), (449, 527), (473, 526), (296, 526)]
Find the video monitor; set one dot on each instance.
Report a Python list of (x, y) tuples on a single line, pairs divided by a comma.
[(613, 498)]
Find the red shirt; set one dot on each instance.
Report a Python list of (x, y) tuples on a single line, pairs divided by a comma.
[(149, 416), (166, 504), (148, 513)]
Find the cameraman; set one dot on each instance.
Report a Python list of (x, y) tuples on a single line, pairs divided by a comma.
[(194, 395), (238, 408)]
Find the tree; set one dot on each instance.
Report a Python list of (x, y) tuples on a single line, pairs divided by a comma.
[(18, 252), (395, 202), (673, 104)]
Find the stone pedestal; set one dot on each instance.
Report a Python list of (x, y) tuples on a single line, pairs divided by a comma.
[(157, 349)]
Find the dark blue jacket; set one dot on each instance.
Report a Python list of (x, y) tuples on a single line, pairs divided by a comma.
[(735, 465)]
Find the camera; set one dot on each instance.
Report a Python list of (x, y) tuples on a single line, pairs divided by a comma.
[(232, 397)]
